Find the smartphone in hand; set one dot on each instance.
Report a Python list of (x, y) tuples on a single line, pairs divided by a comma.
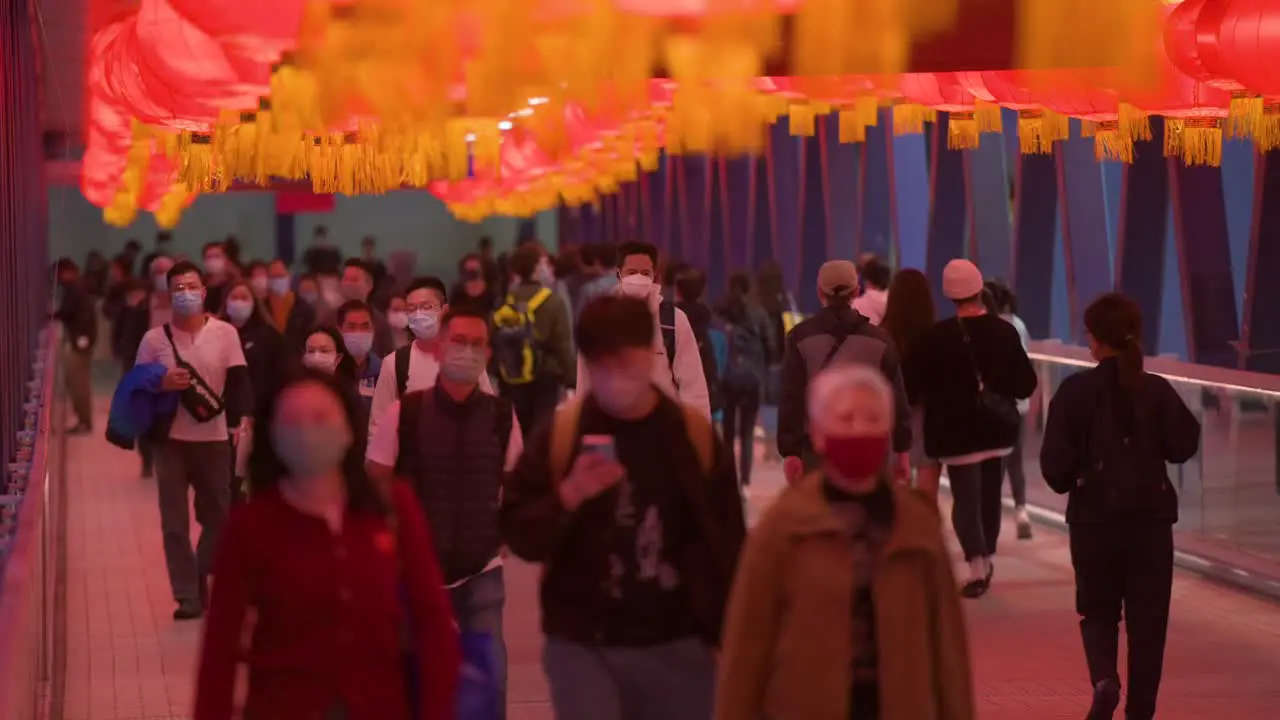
[(599, 445)]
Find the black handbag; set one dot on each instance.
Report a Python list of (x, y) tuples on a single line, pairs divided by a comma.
[(198, 398), (1000, 408)]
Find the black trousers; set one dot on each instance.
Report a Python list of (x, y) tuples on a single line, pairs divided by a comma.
[(975, 505), (1125, 564), (533, 402), (741, 408)]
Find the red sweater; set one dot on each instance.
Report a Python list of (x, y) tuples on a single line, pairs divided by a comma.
[(329, 613)]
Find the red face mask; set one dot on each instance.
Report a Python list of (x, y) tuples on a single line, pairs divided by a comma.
[(857, 456)]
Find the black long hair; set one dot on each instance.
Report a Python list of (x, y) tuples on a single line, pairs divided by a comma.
[(345, 372), (909, 311), (733, 307), (1115, 322), (266, 468)]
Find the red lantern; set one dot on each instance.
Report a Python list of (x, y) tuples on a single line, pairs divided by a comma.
[(252, 41), (1192, 40), (943, 91), (1038, 127)]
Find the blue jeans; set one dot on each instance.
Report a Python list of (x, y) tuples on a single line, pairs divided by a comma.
[(675, 681), (477, 605)]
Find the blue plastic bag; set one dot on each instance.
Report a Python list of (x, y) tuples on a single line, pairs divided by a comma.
[(479, 697)]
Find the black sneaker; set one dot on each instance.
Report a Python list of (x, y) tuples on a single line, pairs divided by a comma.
[(188, 610), (974, 589), (1106, 698), (1024, 531)]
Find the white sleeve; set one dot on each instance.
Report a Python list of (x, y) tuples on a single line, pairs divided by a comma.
[(384, 442), (384, 393), (235, 352), (515, 445), (690, 380), (148, 350)]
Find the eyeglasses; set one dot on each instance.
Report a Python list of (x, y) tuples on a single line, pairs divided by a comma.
[(427, 306), (180, 287)]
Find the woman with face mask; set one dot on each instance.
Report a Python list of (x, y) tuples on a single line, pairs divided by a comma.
[(352, 620), (398, 319), (263, 346), (844, 604), (326, 351)]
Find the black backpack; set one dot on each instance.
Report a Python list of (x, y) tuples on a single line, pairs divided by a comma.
[(1125, 462), (746, 350), (517, 349)]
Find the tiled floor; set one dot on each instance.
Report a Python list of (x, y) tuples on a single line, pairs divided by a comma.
[(127, 660)]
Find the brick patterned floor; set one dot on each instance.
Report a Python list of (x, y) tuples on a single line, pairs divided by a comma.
[(127, 660)]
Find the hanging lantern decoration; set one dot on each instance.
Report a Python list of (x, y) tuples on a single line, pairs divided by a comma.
[(869, 37), (1038, 127), (1120, 34), (1113, 125), (942, 92), (1193, 41), (1195, 115)]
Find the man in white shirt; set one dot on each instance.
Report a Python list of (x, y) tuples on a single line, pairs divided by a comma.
[(453, 443), (677, 370), (206, 365), (425, 301)]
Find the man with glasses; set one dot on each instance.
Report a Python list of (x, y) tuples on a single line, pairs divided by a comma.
[(416, 365), (453, 442), (206, 366)]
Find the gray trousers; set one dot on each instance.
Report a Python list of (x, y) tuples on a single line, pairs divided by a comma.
[(204, 467), (675, 681)]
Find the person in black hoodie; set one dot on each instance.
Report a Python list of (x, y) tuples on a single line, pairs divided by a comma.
[(1110, 431), (967, 372)]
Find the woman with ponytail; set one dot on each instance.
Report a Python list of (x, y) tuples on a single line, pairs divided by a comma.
[(1110, 433)]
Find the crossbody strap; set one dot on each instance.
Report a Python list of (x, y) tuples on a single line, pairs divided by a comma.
[(973, 360)]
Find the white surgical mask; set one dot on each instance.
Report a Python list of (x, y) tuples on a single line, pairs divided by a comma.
[(639, 287), (618, 392), (424, 324), (239, 310), (317, 360), (398, 319)]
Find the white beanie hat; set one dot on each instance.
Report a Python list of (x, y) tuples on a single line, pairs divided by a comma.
[(961, 280)]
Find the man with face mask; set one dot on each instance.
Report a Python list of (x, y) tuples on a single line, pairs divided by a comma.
[(357, 284), (218, 272), (453, 442), (416, 365), (678, 371), (355, 320), (289, 314), (207, 368), (631, 502)]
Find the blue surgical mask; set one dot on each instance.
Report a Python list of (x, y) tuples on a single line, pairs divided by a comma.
[(160, 283), (359, 343), (188, 302), (311, 449), (461, 363), (278, 285), (239, 310), (424, 324)]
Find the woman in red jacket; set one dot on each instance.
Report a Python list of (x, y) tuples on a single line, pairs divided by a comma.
[(351, 614)]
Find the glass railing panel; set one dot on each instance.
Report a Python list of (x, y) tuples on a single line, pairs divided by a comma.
[(1229, 493)]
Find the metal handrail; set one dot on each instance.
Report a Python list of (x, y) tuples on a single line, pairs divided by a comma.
[(25, 598), (1245, 381)]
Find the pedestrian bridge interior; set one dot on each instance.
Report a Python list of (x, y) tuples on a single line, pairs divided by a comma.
[(972, 134)]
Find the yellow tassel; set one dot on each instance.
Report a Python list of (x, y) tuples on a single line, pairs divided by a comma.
[(456, 150), (988, 117), (1267, 134), (198, 171), (802, 120), (867, 108), (962, 131), (909, 119), (1123, 34), (295, 97), (1134, 123), (1244, 116), (1038, 130), (1089, 128), (1109, 143), (1198, 141), (171, 205), (852, 127)]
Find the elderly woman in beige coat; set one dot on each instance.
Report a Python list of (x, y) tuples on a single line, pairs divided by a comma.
[(844, 605)]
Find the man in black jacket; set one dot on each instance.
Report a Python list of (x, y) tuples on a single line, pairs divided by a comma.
[(837, 335), (79, 319), (639, 547)]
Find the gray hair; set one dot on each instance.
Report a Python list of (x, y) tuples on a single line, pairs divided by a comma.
[(829, 384)]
